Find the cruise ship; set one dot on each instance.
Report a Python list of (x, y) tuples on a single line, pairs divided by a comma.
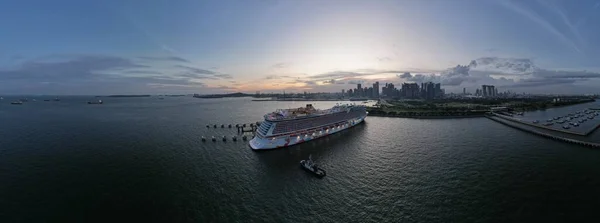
[(286, 127)]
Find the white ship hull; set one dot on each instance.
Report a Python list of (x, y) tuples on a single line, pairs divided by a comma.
[(260, 143)]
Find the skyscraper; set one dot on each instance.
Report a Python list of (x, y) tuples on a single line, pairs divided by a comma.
[(437, 91), (464, 90), (410, 90), (376, 89), (484, 90)]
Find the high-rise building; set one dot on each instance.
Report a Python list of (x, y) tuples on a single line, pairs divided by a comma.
[(484, 90), (464, 90), (429, 90), (437, 92), (410, 90), (388, 90), (376, 89)]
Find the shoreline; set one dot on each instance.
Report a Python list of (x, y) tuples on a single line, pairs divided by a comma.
[(301, 100), (430, 117)]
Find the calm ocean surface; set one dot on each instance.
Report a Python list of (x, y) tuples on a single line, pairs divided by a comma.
[(141, 159)]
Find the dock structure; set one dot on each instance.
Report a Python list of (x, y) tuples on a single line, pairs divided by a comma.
[(251, 127), (545, 127), (241, 128), (514, 124)]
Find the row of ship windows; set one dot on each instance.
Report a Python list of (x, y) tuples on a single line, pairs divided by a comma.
[(319, 133), (290, 126)]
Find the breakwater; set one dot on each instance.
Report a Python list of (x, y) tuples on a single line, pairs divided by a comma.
[(513, 124), (427, 116)]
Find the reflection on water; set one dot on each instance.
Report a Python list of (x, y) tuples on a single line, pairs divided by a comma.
[(142, 159)]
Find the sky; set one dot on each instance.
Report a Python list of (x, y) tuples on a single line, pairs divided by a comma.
[(80, 47)]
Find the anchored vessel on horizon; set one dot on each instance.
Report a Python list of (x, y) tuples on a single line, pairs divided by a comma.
[(286, 127)]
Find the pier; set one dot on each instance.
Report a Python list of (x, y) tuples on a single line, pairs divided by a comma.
[(242, 129), (514, 124), (546, 127)]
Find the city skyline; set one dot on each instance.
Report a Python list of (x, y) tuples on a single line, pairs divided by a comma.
[(116, 47)]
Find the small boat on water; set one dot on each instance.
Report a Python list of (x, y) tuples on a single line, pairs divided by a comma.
[(312, 167), (99, 102), (16, 103), (56, 99)]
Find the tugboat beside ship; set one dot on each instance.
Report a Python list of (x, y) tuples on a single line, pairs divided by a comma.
[(310, 166)]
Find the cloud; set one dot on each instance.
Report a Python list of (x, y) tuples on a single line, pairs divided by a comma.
[(548, 74), (405, 75), (223, 76), (505, 72), (310, 82), (196, 76), (74, 68), (557, 10), (332, 81), (538, 82), (281, 65), (355, 82), (273, 77), (195, 70), (84, 74), (454, 76), (340, 75), (141, 72), (384, 59), (503, 65), (168, 58)]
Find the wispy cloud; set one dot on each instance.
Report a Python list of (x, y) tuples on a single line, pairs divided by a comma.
[(87, 73), (281, 65), (273, 77), (223, 76), (141, 72), (195, 70), (384, 59), (550, 5), (167, 58), (540, 21)]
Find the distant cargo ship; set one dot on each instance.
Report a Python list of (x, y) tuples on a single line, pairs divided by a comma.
[(99, 102), (286, 127)]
